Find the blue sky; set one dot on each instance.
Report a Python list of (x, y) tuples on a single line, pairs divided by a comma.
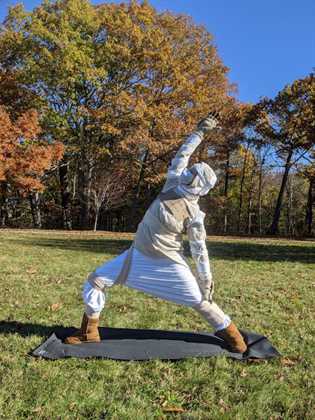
[(266, 44)]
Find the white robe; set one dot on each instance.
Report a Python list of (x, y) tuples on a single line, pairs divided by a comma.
[(164, 277), (160, 277)]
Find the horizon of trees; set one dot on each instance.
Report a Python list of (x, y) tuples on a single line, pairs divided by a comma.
[(95, 101)]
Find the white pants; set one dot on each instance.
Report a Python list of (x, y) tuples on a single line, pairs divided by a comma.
[(160, 277)]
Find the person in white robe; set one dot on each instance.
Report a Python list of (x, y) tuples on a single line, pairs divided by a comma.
[(155, 263)]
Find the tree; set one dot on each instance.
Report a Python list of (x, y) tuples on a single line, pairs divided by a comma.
[(224, 143), (291, 127), (123, 78), (109, 188), (262, 149), (24, 158), (309, 173)]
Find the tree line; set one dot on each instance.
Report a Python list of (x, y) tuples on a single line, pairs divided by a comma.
[(95, 101)]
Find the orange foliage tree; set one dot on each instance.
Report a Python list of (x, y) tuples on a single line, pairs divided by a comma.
[(24, 157)]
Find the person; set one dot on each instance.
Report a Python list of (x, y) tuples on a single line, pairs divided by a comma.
[(155, 263)]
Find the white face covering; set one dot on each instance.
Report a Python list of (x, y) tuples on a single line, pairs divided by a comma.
[(198, 180), (186, 177)]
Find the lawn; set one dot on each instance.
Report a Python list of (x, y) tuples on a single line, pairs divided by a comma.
[(266, 285)]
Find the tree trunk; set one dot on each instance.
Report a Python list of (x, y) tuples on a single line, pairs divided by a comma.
[(4, 204), (260, 196), (250, 201), (290, 222), (241, 192), (65, 195), (35, 209), (97, 213), (85, 168), (274, 228), (133, 215), (249, 211), (309, 206), (141, 175), (74, 184), (84, 192), (226, 191)]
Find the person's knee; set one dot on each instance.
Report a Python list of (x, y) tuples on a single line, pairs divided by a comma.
[(209, 307), (93, 298), (98, 282), (204, 306)]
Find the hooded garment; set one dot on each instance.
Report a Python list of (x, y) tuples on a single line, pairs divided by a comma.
[(197, 180), (158, 266), (176, 211)]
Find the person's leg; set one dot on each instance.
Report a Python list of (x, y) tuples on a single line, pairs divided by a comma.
[(213, 315), (222, 325), (94, 300), (176, 283)]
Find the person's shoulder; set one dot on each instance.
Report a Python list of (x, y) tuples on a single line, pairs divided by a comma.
[(172, 182), (196, 216), (199, 215)]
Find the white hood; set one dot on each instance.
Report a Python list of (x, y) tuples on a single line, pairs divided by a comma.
[(197, 180)]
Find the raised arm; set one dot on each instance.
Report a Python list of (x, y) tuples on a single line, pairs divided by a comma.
[(181, 159)]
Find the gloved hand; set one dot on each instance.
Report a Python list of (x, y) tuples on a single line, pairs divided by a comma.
[(209, 123), (206, 286)]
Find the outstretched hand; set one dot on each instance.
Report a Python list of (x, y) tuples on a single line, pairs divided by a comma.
[(209, 123)]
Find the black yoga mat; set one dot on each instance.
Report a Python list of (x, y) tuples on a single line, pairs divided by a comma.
[(135, 344)]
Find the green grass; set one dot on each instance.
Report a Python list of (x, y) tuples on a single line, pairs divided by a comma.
[(266, 286)]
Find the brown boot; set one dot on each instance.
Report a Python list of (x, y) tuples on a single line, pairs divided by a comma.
[(233, 338), (88, 333)]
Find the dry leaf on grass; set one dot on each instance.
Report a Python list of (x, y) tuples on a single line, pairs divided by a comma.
[(173, 410), (280, 377), (55, 307), (224, 406), (285, 361)]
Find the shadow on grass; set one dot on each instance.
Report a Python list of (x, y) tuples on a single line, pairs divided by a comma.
[(102, 246), (304, 253), (262, 252), (27, 329)]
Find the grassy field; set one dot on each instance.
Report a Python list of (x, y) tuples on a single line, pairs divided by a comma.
[(266, 286)]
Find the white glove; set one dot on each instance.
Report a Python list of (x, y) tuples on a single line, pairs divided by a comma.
[(206, 286), (209, 123)]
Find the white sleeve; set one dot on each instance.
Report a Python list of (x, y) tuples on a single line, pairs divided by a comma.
[(197, 240), (181, 159)]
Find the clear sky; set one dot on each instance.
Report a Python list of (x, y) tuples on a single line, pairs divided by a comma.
[(265, 43)]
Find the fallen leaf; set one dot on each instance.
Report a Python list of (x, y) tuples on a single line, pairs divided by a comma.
[(37, 410), (224, 406), (55, 306), (285, 361), (173, 410)]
